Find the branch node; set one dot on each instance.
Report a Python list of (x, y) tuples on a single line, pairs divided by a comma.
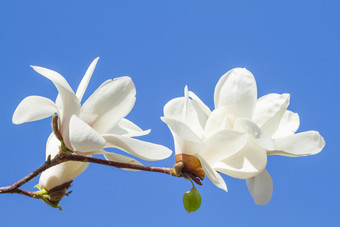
[(48, 159), (177, 170)]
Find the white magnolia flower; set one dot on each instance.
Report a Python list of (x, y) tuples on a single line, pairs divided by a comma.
[(99, 123), (268, 123), (186, 119)]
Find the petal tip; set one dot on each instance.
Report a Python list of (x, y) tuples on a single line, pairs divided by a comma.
[(322, 141), (95, 61), (186, 91), (16, 122), (147, 131)]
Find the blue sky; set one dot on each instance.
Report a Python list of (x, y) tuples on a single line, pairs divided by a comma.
[(290, 46)]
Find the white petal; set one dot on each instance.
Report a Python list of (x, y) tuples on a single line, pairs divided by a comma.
[(301, 144), (62, 173), (213, 176), (121, 158), (144, 150), (237, 90), (196, 116), (52, 146), (197, 101), (91, 152), (261, 188), (218, 120), (175, 109), (289, 124), (189, 111), (249, 162), (58, 102), (186, 141), (222, 145), (110, 103), (269, 111), (128, 128), (86, 79), (33, 108), (70, 102), (57, 79), (83, 138), (245, 125)]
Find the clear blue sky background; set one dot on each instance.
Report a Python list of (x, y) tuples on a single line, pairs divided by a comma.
[(290, 46)]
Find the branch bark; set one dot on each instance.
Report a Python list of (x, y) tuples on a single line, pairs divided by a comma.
[(65, 157)]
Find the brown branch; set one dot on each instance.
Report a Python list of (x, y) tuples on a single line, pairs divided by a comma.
[(80, 158), (68, 156), (64, 157), (14, 188)]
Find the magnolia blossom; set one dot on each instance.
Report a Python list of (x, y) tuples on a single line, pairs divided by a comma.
[(186, 118), (99, 123), (267, 122)]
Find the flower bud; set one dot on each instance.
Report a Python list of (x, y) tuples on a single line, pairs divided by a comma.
[(192, 200)]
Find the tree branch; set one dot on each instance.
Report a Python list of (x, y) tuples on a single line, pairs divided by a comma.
[(65, 157), (80, 158), (14, 188)]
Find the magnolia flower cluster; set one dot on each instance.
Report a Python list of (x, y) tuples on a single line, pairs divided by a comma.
[(236, 137), (88, 128)]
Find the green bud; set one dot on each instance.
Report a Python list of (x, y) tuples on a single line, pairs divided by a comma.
[(192, 199)]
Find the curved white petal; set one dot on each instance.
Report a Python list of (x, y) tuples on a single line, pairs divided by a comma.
[(70, 102), (213, 176), (289, 124), (62, 173), (301, 144), (248, 162), (52, 146), (127, 128), (222, 145), (186, 141), (83, 83), (86, 79), (237, 90), (254, 131), (121, 158), (175, 109), (269, 111), (91, 152), (218, 120), (261, 188), (144, 150), (83, 138), (110, 103), (33, 108), (182, 130), (197, 101), (58, 102), (190, 111)]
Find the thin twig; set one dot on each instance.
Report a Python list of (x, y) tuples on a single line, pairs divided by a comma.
[(14, 188), (65, 157), (80, 158)]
